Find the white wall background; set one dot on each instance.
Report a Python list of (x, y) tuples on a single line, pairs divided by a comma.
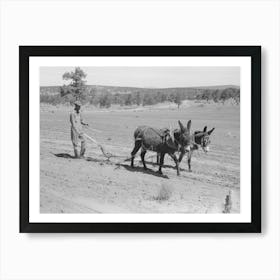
[(123, 256)]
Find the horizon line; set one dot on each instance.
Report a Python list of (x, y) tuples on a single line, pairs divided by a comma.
[(221, 85)]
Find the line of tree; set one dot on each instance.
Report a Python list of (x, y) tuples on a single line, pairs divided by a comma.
[(76, 89), (220, 95), (106, 99)]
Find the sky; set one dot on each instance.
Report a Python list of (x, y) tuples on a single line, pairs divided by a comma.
[(152, 77)]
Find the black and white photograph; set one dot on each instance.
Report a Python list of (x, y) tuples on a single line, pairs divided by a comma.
[(140, 139)]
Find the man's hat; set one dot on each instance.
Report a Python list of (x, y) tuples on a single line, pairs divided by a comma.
[(78, 103)]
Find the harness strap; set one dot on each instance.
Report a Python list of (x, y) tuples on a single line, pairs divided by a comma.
[(162, 136)]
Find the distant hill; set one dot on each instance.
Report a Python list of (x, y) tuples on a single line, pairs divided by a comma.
[(218, 87), (191, 92)]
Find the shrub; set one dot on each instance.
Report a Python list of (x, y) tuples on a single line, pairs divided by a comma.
[(164, 193)]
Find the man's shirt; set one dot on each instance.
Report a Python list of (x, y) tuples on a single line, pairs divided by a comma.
[(76, 121)]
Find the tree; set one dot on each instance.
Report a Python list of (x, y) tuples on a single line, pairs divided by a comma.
[(148, 99), (105, 100), (224, 95), (206, 94), (215, 95), (128, 99), (178, 99), (138, 98), (76, 87), (118, 99)]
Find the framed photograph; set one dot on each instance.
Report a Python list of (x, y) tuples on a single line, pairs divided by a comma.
[(140, 139)]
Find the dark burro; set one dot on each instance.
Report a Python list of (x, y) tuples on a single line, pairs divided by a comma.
[(199, 138), (161, 141)]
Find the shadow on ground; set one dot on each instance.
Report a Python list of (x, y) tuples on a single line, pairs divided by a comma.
[(127, 167), (142, 170), (166, 166), (64, 155), (100, 161)]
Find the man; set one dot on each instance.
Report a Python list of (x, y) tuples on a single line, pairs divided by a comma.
[(77, 134)]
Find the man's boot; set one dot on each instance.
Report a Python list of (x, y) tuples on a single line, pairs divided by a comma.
[(76, 153), (83, 149)]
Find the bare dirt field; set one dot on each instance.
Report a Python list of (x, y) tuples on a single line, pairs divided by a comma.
[(95, 185)]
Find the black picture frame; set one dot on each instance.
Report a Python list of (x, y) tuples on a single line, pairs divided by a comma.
[(25, 52)]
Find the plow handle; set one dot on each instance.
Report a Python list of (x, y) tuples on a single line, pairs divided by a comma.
[(90, 138)]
